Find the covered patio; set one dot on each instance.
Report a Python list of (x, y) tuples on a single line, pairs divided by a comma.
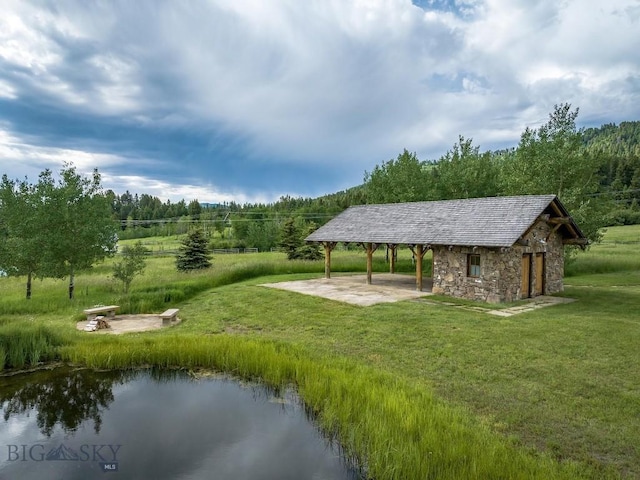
[(355, 290), (418, 282)]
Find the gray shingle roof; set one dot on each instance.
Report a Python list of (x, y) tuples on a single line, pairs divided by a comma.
[(489, 222)]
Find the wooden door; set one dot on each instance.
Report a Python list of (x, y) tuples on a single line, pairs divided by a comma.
[(540, 274), (525, 289)]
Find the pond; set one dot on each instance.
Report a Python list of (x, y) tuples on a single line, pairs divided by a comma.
[(82, 424)]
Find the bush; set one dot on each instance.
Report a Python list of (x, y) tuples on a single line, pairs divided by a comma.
[(624, 216)]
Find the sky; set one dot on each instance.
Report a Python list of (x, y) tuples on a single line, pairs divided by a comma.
[(250, 100)]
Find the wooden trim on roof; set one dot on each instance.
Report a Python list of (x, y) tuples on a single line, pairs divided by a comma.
[(560, 220), (556, 208)]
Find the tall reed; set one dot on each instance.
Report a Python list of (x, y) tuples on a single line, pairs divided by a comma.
[(27, 344), (392, 428)]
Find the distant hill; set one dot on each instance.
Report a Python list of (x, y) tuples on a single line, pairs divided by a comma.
[(612, 139), (617, 147)]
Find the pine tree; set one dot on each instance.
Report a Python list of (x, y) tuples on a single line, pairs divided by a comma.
[(194, 252), (290, 238), (309, 251), (292, 242)]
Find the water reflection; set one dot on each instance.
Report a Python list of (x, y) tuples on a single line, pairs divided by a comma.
[(156, 424), (60, 397)]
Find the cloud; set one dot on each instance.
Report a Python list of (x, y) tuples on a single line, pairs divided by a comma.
[(176, 192), (256, 99), (35, 159)]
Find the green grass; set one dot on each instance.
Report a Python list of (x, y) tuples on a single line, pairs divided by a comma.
[(626, 234), (23, 345), (619, 252), (162, 284), (412, 390), (395, 429)]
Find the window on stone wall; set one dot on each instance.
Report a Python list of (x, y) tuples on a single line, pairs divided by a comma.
[(473, 265)]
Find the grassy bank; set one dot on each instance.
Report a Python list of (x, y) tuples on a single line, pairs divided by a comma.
[(394, 428), (393, 381)]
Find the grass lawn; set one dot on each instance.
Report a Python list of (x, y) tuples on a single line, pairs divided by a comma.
[(563, 380)]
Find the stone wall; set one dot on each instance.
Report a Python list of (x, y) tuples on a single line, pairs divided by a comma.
[(500, 277)]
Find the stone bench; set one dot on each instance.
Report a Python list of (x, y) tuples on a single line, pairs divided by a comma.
[(169, 316), (109, 310)]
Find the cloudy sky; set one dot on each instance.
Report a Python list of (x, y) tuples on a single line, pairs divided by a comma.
[(248, 100)]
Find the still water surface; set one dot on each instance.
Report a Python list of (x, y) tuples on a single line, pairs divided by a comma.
[(82, 424)]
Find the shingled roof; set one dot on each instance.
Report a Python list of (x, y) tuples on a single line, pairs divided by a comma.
[(487, 222)]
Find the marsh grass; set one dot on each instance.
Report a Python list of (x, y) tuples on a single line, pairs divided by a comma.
[(391, 428), (28, 345)]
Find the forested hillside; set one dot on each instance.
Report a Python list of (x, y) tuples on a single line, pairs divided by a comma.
[(617, 149), (595, 172)]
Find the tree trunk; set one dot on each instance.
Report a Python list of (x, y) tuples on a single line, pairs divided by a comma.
[(29, 286), (71, 284)]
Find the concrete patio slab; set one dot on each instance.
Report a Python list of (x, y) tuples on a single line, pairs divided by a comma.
[(387, 288), (353, 289)]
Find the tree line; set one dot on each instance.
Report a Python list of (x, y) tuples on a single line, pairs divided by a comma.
[(595, 172)]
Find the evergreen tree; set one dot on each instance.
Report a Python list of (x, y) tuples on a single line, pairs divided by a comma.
[(194, 252), (309, 251), (194, 209), (290, 238), (292, 241)]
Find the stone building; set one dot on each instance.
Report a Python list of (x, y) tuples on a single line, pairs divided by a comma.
[(495, 249)]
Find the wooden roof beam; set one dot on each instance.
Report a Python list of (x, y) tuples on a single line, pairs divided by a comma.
[(556, 208), (560, 220)]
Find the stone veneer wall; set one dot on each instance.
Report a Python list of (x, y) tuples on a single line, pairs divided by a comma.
[(500, 277)]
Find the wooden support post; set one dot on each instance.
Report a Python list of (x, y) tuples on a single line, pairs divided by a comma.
[(418, 253), (370, 248), (419, 256), (369, 263), (328, 246), (392, 261)]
